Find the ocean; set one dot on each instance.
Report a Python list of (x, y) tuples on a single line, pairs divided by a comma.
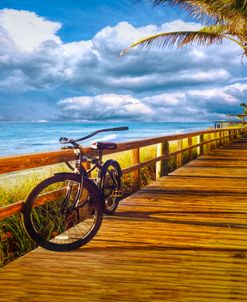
[(31, 137)]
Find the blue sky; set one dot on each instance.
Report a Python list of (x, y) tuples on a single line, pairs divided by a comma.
[(60, 61)]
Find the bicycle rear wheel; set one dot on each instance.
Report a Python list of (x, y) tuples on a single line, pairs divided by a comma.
[(59, 216), (111, 186)]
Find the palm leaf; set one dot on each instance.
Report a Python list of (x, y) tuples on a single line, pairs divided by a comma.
[(177, 39), (230, 10)]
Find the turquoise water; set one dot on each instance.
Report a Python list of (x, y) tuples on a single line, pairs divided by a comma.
[(22, 138)]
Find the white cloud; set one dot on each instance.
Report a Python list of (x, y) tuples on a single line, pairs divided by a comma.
[(105, 106), (211, 75), (150, 85), (179, 25), (27, 30), (94, 65), (206, 104)]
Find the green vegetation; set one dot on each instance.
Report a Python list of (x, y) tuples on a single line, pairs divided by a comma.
[(221, 19)]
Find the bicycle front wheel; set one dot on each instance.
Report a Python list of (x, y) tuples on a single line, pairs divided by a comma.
[(62, 213)]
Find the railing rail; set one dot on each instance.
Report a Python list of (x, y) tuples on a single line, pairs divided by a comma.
[(203, 146)]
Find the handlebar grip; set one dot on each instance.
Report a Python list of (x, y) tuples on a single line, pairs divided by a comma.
[(118, 129), (63, 140)]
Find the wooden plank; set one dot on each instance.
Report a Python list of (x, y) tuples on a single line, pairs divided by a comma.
[(216, 161), (217, 275), (188, 203), (231, 153), (182, 238), (211, 171), (29, 161), (10, 210), (200, 185)]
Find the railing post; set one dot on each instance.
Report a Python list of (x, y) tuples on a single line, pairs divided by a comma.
[(201, 140), (221, 139), (190, 151), (235, 134), (179, 156), (240, 132), (198, 148), (135, 175), (216, 139), (162, 166), (215, 142), (209, 144)]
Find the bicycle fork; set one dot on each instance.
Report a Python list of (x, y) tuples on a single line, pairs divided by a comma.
[(76, 199)]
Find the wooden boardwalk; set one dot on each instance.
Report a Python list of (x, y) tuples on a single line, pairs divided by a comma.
[(182, 238)]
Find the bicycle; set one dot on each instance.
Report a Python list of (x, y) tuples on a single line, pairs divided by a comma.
[(65, 211)]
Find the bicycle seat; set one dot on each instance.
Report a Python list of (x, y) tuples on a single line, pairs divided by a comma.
[(104, 146)]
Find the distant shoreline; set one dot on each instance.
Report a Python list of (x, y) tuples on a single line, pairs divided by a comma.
[(31, 137)]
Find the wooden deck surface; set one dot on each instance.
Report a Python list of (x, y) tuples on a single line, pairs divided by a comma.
[(182, 238)]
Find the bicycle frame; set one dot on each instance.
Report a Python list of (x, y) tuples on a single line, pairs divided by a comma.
[(96, 162), (79, 168)]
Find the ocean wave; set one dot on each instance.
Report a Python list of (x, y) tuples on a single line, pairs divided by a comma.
[(40, 121), (109, 137)]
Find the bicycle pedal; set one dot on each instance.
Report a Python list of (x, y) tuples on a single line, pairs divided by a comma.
[(117, 193)]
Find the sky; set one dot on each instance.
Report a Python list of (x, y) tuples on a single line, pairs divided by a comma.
[(60, 61)]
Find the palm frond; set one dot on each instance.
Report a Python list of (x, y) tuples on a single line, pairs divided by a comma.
[(177, 39), (205, 9)]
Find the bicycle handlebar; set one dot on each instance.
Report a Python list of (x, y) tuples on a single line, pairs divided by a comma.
[(65, 140)]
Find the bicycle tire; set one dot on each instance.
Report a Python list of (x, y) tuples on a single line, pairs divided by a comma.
[(110, 182), (48, 216)]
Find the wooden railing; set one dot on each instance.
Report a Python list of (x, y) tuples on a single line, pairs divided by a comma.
[(201, 141)]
